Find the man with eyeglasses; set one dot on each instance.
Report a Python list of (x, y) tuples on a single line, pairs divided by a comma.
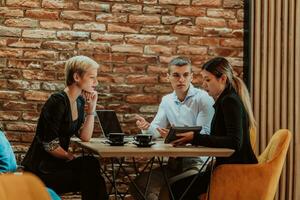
[(185, 106)]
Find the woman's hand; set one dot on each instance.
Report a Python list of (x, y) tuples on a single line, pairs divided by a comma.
[(91, 100), (163, 132), (183, 138)]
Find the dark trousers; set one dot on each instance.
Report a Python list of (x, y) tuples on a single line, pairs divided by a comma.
[(199, 186), (81, 174)]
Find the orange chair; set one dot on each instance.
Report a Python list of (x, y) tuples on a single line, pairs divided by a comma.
[(252, 181), (26, 187)]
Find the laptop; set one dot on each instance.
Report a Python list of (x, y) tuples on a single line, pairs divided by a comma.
[(109, 122)]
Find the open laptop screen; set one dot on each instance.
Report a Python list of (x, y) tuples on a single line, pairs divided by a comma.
[(109, 122)]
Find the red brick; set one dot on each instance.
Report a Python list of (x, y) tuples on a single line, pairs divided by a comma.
[(10, 32), (205, 41), (115, 18), (142, 99), (3, 42), (168, 20), (226, 52), (22, 22), (92, 26), (52, 86), (235, 24), (27, 3), (123, 28), (67, 4), (7, 12), (3, 84), (207, 3), (20, 126), (10, 115), (23, 43), (5, 94), (20, 64), (128, 69), (232, 42), (188, 30), (39, 75), (153, 69), (155, 29), (126, 8), (217, 32), (126, 48), (41, 54), (141, 79), (144, 19), (158, 10), (13, 53), (221, 13), (40, 34), (90, 5), (148, 109), (192, 50), (233, 3), (238, 33), (142, 59), (58, 45), (41, 14), (190, 11), (19, 105), (140, 39), (30, 116), (111, 57), (150, 1), (11, 74), (107, 37), (206, 22), (105, 68), (109, 78), (158, 49), (175, 2), (126, 89), (78, 15), (21, 84), (36, 95), (3, 62), (162, 89), (240, 15), (55, 25), (94, 46), (167, 40), (72, 35)]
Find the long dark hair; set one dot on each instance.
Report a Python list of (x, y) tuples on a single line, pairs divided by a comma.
[(219, 66)]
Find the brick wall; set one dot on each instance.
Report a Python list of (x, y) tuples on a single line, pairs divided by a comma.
[(132, 39)]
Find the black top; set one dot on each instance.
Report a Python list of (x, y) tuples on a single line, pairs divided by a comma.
[(55, 127), (229, 129)]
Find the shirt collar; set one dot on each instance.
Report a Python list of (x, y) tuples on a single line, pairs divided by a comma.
[(191, 92)]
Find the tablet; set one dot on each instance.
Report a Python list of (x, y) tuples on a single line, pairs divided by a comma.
[(180, 129)]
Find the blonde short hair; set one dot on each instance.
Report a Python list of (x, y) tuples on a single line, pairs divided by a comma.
[(79, 65)]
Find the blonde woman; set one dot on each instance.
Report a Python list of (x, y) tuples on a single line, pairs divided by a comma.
[(230, 126), (63, 116)]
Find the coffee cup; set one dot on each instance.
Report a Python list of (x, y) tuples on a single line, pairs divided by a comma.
[(143, 139), (116, 138)]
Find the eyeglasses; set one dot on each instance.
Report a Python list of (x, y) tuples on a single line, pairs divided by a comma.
[(177, 76)]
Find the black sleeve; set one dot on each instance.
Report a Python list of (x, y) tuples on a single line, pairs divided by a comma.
[(233, 119), (81, 116), (52, 117)]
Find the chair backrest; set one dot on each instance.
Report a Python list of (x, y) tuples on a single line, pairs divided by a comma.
[(26, 187), (252, 181)]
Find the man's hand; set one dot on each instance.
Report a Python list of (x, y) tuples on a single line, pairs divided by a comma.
[(163, 132), (141, 122), (183, 138)]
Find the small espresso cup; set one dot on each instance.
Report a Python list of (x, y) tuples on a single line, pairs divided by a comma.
[(143, 139), (116, 138)]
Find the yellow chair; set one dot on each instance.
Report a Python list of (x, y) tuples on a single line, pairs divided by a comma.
[(26, 187), (252, 181)]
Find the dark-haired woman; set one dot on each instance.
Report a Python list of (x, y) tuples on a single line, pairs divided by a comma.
[(230, 126)]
